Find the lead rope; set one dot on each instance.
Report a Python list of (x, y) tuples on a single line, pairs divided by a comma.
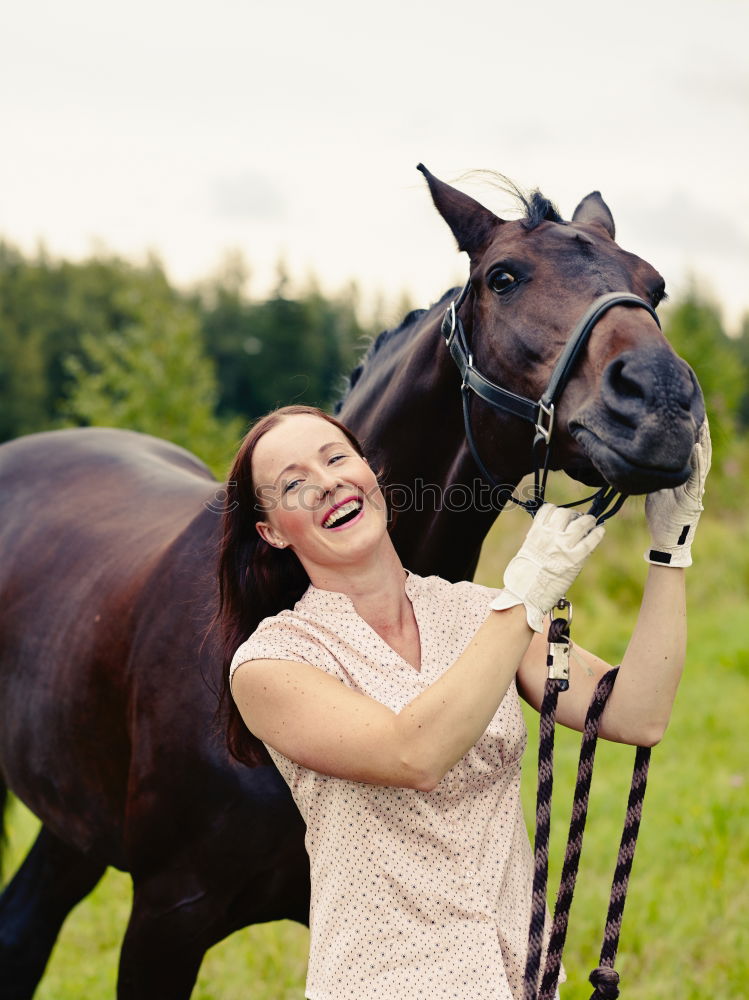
[(558, 636), (604, 978), (575, 837)]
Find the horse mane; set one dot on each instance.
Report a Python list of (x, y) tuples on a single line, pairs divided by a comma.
[(538, 209), (536, 206), (383, 338)]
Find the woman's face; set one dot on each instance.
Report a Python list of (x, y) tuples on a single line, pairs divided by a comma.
[(320, 497)]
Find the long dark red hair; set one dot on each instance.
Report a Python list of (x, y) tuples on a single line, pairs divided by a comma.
[(255, 580)]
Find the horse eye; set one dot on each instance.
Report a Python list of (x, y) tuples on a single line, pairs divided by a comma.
[(501, 281)]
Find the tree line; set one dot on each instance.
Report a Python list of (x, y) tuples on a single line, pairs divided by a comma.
[(105, 341)]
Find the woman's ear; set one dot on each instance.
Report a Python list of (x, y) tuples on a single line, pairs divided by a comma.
[(269, 534)]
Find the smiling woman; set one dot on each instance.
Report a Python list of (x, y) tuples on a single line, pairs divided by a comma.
[(389, 703)]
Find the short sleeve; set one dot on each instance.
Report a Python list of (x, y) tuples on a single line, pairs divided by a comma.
[(277, 638)]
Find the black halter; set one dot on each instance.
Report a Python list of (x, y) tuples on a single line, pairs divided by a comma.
[(540, 413)]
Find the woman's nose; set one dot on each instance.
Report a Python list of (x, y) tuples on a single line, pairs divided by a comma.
[(325, 480)]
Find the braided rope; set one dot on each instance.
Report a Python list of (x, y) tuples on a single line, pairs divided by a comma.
[(575, 837), (541, 841), (605, 979), (559, 629)]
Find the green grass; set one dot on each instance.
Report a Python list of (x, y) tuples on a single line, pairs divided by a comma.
[(686, 924)]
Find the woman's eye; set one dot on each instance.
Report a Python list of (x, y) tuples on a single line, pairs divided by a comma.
[(335, 458), (292, 485), (501, 281)]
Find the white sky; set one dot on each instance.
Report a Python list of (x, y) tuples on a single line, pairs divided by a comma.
[(294, 128)]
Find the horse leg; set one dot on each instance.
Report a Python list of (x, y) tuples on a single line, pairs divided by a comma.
[(168, 934), (178, 915), (52, 879)]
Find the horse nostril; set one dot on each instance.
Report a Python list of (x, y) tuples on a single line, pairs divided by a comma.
[(623, 392), (624, 385), (641, 382)]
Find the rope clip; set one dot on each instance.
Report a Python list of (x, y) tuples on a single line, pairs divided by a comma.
[(558, 656), (564, 605)]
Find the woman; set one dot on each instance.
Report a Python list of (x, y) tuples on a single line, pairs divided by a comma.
[(389, 703)]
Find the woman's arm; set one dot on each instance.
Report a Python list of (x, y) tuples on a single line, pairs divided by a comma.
[(640, 704), (317, 721)]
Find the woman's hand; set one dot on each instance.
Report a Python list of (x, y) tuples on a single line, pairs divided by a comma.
[(673, 514), (555, 548)]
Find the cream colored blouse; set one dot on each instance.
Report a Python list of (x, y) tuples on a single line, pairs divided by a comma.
[(415, 895)]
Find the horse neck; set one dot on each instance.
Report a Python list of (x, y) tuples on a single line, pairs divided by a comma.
[(407, 410)]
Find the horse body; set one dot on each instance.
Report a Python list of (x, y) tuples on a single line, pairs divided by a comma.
[(106, 722), (107, 585), (65, 541)]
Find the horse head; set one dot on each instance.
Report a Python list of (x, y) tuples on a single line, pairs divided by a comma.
[(629, 413)]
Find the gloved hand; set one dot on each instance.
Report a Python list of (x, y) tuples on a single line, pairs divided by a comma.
[(554, 550), (673, 514)]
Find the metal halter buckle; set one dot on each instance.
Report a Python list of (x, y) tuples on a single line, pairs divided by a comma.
[(453, 322), (548, 412)]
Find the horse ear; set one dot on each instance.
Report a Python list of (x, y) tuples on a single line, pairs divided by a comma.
[(472, 224), (592, 211)]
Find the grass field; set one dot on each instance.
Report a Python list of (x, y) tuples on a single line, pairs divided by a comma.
[(686, 925)]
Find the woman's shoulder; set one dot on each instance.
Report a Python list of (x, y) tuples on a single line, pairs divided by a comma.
[(288, 635)]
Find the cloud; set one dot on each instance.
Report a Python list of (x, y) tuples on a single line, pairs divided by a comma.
[(248, 194), (719, 84), (680, 221)]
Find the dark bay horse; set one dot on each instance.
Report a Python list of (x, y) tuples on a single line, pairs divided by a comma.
[(107, 548)]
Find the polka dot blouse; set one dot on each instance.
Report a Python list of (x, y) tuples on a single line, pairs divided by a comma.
[(415, 895)]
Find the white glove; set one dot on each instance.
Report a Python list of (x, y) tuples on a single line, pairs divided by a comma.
[(555, 548), (673, 514)]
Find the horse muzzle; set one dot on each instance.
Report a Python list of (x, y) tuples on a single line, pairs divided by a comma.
[(639, 431)]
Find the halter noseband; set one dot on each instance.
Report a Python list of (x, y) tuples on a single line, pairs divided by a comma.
[(541, 413)]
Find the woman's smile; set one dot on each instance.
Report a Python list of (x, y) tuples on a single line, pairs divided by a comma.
[(344, 513)]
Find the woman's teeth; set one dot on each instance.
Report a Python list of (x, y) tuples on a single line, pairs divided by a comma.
[(342, 513)]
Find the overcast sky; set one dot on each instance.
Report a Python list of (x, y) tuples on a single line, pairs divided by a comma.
[(293, 128)]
